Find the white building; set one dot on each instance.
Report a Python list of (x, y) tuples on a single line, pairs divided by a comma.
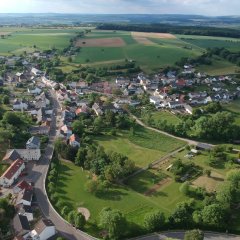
[(36, 72), (12, 173), (20, 105), (25, 197), (28, 154), (26, 211), (43, 230), (35, 90)]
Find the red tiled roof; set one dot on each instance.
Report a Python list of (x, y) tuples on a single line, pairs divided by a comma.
[(24, 185), (10, 172)]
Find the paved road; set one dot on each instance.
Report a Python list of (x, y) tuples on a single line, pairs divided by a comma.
[(189, 141), (38, 174), (180, 235)]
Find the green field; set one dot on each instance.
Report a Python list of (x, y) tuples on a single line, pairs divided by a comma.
[(219, 67), (232, 44), (165, 116), (143, 147), (71, 189), (234, 107), (23, 39), (147, 57)]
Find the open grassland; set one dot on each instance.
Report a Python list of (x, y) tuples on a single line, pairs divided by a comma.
[(24, 39), (165, 116), (71, 189), (219, 67), (148, 53), (143, 147), (232, 44), (234, 108)]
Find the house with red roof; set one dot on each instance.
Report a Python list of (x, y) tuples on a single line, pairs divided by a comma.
[(22, 186), (12, 173)]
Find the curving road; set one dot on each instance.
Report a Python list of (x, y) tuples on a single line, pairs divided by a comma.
[(38, 175)]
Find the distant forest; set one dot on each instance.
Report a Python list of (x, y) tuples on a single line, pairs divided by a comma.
[(166, 28)]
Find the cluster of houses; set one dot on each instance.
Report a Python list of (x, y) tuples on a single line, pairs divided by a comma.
[(22, 192)]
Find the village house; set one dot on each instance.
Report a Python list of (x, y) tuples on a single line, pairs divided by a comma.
[(26, 154), (25, 197), (97, 109), (65, 131), (34, 90), (36, 72), (12, 173), (33, 143), (155, 100), (21, 226), (74, 141), (20, 105), (22, 186), (188, 109), (26, 211), (10, 157), (43, 230), (39, 130)]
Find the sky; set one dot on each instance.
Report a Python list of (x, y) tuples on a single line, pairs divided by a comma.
[(202, 7)]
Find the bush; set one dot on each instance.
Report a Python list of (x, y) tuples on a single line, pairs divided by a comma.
[(154, 221)]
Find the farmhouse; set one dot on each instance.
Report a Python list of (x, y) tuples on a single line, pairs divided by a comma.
[(12, 173)]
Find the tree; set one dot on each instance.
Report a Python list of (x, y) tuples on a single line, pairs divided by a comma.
[(184, 188), (195, 234), (182, 215), (79, 221), (154, 221), (113, 221), (78, 127), (6, 100), (213, 215), (71, 217), (65, 210), (81, 157)]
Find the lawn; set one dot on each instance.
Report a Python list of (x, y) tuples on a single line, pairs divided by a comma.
[(219, 67), (234, 107), (3, 168), (71, 188), (143, 147), (23, 39), (165, 115)]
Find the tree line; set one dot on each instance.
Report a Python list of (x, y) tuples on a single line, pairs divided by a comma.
[(167, 28)]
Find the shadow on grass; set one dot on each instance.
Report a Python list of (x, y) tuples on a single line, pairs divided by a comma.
[(111, 194)]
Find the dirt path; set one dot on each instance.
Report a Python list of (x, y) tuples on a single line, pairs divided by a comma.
[(152, 190)]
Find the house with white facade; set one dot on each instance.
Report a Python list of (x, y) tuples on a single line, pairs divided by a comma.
[(27, 154), (12, 173), (43, 230), (20, 105), (27, 211), (25, 197), (34, 90)]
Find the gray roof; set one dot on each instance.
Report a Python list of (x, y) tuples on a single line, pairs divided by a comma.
[(42, 224), (34, 140), (12, 155), (20, 224)]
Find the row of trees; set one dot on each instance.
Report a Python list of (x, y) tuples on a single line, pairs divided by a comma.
[(167, 28)]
